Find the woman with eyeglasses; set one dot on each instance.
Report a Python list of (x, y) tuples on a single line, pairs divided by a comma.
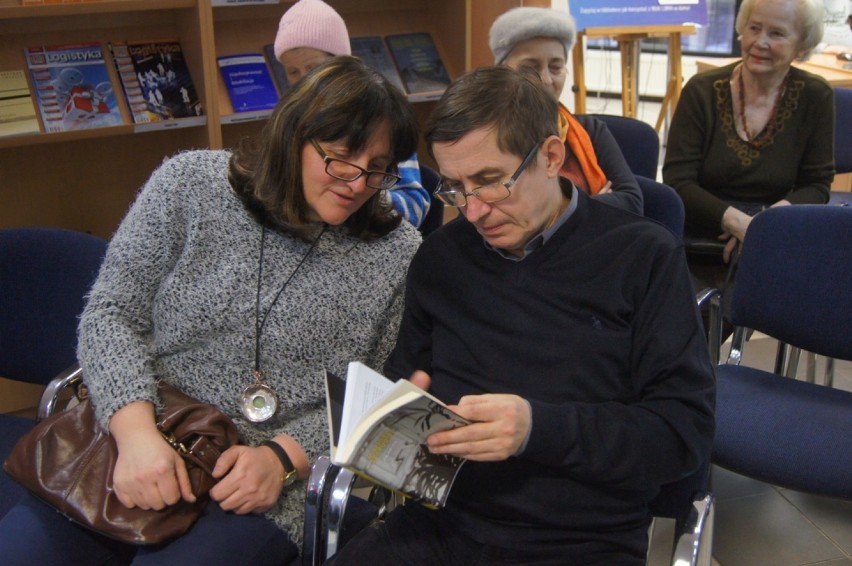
[(239, 277)]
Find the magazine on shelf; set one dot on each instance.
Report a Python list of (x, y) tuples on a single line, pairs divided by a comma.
[(72, 86), (17, 112), (155, 79), (419, 65), (378, 429), (215, 3), (248, 81), (373, 51), (278, 73)]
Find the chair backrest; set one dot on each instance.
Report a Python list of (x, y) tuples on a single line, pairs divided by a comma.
[(638, 141), (843, 129), (662, 203), (429, 178), (793, 278), (44, 276)]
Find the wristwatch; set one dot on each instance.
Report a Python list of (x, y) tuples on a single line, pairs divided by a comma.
[(289, 476)]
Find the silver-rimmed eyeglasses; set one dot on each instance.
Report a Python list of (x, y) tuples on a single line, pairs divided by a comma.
[(452, 193), (345, 171)]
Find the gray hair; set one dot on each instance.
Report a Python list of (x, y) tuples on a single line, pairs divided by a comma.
[(809, 18)]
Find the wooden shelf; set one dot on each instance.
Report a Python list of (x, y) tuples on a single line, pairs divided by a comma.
[(85, 180)]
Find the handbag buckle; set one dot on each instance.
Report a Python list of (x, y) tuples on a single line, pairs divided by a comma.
[(170, 438)]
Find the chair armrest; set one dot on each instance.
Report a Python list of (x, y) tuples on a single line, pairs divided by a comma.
[(694, 542), (341, 491), (713, 299), (327, 525), (53, 393), (322, 471)]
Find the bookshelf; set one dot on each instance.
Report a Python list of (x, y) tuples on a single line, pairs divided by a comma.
[(85, 180)]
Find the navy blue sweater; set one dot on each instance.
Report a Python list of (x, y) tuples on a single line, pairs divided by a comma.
[(599, 331)]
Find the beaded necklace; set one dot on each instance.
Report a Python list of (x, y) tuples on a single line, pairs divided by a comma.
[(768, 131)]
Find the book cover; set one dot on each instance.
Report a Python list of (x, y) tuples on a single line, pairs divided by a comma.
[(419, 65), (248, 81), (17, 112), (215, 3), (378, 429), (72, 87), (278, 73), (372, 50), (155, 80)]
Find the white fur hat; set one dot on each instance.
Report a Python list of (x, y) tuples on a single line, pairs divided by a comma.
[(519, 24)]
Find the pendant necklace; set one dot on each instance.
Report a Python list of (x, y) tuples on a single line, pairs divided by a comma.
[(258, 401)]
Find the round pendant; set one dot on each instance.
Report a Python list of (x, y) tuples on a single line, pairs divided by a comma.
[(258, 402)]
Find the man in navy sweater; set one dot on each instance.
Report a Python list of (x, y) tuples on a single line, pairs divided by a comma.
[(564, 328)]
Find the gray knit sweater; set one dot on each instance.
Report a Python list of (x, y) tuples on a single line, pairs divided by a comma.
[(175, 299)]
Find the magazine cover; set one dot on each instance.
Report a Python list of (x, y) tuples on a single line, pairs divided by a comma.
[(72, 86), (17, 113), (248, 82), (372, 51), (419, 64), (278, 73), (155, 80)]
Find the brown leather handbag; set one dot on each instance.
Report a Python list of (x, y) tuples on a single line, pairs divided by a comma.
[(67, 460)]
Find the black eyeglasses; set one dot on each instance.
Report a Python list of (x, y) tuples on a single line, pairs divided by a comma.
[(452, 193), (345, 171)]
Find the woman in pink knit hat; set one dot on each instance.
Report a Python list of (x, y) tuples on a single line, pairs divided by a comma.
[(310, 32)]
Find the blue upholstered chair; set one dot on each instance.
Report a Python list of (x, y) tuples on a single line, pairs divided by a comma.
[(640, 145), (842, 129), (638, 141), (842, 164), (792, 285), (842, 140), (44, 275), (663, 204)]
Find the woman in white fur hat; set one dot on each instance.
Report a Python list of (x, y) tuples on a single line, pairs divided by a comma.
[(541, 38)]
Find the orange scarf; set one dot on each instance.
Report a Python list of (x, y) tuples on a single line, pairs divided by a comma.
[(580, 145)]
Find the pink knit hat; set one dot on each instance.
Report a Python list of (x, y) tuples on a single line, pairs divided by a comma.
[(312, 23)]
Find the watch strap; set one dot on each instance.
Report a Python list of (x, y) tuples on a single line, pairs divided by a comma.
[(289, 469)]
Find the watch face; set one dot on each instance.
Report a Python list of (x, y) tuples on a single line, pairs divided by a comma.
[(290, 477)]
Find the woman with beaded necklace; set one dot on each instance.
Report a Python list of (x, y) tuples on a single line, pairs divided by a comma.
[(752, 134)]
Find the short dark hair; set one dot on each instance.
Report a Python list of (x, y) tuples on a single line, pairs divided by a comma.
[(341, 99), (515, 103)]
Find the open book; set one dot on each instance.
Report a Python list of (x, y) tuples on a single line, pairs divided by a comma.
[(378, 429)]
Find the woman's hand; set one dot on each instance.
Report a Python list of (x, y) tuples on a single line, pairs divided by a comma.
[(251, 477), (735, 224), (149, 473)]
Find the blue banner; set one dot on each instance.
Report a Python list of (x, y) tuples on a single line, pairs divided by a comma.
[(637, 13)]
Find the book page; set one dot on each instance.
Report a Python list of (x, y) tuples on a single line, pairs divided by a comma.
[(364, 389)]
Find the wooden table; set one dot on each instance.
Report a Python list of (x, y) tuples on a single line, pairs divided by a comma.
[(628, 39), (823, 64)]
